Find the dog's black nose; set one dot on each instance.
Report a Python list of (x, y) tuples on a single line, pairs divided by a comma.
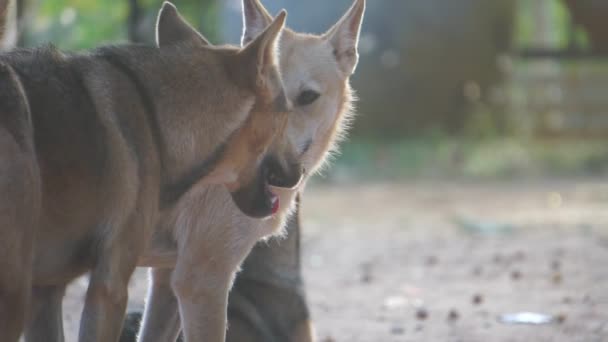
[(288, 176)]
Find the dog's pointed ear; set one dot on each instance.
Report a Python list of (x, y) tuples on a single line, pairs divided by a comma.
[(344, 37), (171, 28), (255, 19), (263, 51)]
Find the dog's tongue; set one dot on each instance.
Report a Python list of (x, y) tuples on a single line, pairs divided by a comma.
[(274, 199)]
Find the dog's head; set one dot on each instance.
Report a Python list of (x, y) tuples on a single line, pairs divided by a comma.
[(242, 106), (315, 71)]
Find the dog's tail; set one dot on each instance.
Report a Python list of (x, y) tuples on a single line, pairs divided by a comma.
[(8, 24)]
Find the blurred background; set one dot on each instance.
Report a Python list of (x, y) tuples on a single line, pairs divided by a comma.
[(469, 88), (472, 185)]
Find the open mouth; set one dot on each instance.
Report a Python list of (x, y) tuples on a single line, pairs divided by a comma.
[(260, 198), (274, 182), (273, 199)]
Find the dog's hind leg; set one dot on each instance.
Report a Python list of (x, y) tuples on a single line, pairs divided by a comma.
[(19, 204), (15, 280), (45, 323), (16, 252), (13, 303), (161, 320)]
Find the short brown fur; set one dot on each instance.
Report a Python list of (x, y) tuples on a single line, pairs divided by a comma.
[(89, 144)]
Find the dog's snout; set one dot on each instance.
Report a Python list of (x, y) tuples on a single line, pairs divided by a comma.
[(283, 176), (294, 179)]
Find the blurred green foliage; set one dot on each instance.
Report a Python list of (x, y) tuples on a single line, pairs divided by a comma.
[(491, 158), (558, 21), (75, 24), (80, 24)]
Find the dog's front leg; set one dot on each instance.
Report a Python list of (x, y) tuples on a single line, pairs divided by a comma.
[(107, 295), (161, 319), (45, 323), (202, 292), (105, 304)]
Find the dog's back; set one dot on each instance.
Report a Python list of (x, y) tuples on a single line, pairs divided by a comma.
[(19, 203)]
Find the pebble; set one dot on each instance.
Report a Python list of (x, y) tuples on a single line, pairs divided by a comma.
[(397, 331), (557, 278), (422, 314), (453, 315), (431, 260), (477, 299)]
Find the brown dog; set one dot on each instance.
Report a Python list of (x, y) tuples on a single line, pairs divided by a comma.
[(94, 145), (200, 244)]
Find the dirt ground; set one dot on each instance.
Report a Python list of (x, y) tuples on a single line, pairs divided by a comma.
[(442, 260)]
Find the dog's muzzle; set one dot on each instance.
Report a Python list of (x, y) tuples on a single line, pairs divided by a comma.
[(289, 177)]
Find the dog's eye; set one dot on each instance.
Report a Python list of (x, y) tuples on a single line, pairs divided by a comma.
[(307, 97)]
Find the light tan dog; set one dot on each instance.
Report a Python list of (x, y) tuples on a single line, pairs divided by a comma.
[(93, 145), (201, 243)]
